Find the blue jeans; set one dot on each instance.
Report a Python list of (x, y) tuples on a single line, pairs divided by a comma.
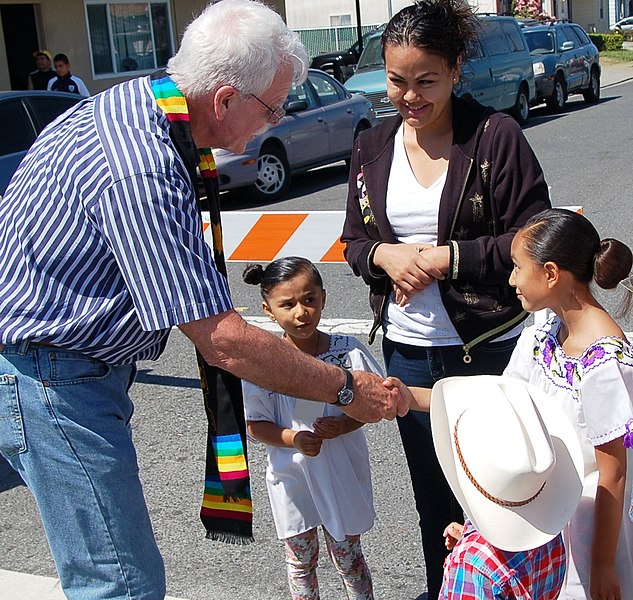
[(65, 427), (434, 501)]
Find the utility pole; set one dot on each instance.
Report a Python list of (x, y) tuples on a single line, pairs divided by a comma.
[(359, 28)]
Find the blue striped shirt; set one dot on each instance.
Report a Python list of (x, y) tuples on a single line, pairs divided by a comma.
[(101, 246)]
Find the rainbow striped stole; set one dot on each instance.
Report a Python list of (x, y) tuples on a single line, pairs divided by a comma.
[(227, 510)]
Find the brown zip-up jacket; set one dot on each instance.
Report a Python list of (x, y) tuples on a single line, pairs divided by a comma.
[(493, 185)]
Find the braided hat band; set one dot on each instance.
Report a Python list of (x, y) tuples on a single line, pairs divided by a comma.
[(478, 487)]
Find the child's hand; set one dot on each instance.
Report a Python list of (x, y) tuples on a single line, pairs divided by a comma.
[(603, 582), (329, 427), (416, 398), (451, 534), (307, 443)]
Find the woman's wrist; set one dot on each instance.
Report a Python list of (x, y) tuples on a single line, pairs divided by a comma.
[(372, 267), (453, 261)]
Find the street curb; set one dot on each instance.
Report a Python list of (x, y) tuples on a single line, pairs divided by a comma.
[(613, 83), (20, 586)]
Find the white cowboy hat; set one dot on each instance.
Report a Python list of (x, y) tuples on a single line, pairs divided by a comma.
[(511, 457)]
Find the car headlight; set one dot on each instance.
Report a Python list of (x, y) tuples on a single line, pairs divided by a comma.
[(539, 68)]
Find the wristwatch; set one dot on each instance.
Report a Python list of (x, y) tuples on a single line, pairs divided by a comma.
[(346, 393)]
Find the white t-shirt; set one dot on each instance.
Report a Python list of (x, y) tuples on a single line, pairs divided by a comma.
[(412, 211), (332, 489)]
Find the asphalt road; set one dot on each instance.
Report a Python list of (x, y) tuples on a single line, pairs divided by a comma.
[(586, 154)]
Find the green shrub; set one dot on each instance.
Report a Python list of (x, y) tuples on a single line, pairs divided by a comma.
[(607, 41)]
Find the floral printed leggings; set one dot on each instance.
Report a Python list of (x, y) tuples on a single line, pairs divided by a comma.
[(302, 557)]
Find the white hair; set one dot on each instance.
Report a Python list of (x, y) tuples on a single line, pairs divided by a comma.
[(241, 43)]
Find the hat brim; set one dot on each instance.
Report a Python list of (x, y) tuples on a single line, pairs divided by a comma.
[(509, 528)]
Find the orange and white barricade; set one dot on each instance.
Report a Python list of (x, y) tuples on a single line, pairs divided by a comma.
[(265, 236)]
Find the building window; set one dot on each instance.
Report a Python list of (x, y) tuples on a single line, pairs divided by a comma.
[(340, 20), (128, 37)]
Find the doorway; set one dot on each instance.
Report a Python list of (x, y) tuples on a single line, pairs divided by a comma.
[(19, 26)]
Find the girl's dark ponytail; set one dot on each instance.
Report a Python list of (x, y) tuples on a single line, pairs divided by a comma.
[(253, 274)]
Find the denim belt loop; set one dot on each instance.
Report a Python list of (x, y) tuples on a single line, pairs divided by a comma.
[(24, 347)]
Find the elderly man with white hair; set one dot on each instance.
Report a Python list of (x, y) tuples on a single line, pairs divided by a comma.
[(102, 254)]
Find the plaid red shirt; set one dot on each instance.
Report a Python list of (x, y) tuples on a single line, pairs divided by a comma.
[(475, 570)]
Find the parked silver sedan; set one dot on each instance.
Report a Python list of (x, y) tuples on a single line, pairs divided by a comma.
[(321, 123)]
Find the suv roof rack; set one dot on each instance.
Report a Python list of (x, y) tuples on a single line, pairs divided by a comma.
[(541, 22)]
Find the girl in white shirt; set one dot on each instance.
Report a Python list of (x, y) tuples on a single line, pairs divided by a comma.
[(318, 463)]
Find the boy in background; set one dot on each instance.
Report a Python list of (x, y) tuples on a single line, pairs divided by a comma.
[(65, 81)]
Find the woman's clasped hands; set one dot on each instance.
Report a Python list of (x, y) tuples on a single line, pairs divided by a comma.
[(412, 267)]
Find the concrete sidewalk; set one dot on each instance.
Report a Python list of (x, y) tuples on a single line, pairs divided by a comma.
[(19, 586), (613, 74)]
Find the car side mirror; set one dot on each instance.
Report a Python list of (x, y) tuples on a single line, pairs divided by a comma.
[(295, 106), (567, 46)]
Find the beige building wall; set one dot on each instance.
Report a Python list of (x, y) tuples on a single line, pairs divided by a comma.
[(305, 14), (63, 28), (587, 14)]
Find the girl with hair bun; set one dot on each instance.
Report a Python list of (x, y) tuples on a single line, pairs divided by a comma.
[(318, 463), (582, 359)]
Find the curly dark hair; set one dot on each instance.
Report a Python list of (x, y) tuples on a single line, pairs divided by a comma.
[(443, 27)]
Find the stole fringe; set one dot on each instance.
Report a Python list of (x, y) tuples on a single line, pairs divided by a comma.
[(229, 538)]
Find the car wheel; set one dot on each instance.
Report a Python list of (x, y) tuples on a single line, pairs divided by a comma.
[(556, 102), (273, 174), (592, 93), (521, 110)]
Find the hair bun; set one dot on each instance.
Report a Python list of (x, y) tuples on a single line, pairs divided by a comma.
[(253, 274), (612, 263)]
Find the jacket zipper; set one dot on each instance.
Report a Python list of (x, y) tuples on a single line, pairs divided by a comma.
[(372, 332), (378, 323), (467, 358), (461, 198)]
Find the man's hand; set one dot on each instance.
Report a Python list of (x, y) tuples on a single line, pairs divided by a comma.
[(307, 443), (373, 401)]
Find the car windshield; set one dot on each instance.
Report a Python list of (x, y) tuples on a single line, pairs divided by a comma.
[(371, 56), (540, 42)]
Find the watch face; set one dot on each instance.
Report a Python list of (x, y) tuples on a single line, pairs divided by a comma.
[(345, 396)]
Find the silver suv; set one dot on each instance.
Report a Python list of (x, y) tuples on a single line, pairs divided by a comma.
[(497, 71)]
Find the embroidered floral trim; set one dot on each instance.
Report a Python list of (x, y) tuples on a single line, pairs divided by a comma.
[(557, 366)]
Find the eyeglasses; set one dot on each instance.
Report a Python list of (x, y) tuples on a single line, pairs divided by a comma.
[(275, 115)]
